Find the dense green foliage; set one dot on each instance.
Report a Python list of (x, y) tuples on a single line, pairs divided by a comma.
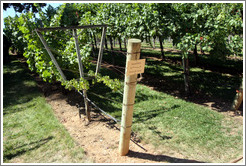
[(210, 25), (216, 27), (23, 7)]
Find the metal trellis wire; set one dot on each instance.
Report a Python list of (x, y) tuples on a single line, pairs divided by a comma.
[(75, 35)]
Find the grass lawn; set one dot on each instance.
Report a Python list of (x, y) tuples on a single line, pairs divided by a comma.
[(31, 132), (212, 78), (175, 126)]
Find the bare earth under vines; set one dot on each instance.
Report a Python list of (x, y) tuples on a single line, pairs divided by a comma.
[(100, 138)]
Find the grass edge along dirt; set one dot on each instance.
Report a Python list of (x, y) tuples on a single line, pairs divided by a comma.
[(174, 126), (31, 132), (177, 127)]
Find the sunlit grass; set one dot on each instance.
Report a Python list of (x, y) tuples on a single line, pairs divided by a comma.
[(31, 132), (175, 126)]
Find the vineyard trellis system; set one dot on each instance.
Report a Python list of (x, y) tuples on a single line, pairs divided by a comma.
[(98, 66), (131, 71)]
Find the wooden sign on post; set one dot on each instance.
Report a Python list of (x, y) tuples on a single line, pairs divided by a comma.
[(135, 67)]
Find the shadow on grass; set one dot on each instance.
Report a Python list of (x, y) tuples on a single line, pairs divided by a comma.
[(160, 158), (24, 91), (206, 86), (154, 130), (26, 148), (207, 62), (111, 102), (149, 114), (166, 76), (218, 86)]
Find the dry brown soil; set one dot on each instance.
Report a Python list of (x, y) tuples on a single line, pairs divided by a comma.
[(100, 138)]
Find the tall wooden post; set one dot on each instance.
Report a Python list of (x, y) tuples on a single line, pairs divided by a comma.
[(162, 49), (133, 53)]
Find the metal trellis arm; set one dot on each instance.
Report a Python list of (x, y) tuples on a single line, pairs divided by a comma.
[(50, 54), (100, 54), (75, 35), (71, 27), (78, 53)]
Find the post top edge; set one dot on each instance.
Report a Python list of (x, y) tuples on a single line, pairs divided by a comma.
[(134, 41)]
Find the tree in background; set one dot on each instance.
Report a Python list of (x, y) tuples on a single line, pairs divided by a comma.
[(23, 7), (6, 46), (216, 27), (209, 26)]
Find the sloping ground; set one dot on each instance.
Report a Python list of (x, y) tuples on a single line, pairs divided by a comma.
[(31, 132), (100, 138)]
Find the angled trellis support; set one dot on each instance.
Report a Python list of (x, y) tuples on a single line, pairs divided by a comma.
[(50, 54), (74, 29)]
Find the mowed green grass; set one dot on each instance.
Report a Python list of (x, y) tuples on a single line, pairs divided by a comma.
[(31, 132), (213, 79), (177, 127), (174, 126)]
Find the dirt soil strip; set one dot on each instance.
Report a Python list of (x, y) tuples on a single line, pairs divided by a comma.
[(99, 139)]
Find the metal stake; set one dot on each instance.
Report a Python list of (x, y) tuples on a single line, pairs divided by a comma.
[(87, 107), (50, 54), (78, 53), (100, 54)]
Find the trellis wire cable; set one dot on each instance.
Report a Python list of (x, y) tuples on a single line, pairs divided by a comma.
[(104, 97), (123, 52), (111, 117), (73, 28), (115, 68)]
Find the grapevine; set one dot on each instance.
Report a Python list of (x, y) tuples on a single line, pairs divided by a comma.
[(216, 27)]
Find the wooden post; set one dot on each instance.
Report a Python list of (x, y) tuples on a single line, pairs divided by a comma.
[(162, 49), (119, 39), (111, 46), (185, 62), (133, 53)]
